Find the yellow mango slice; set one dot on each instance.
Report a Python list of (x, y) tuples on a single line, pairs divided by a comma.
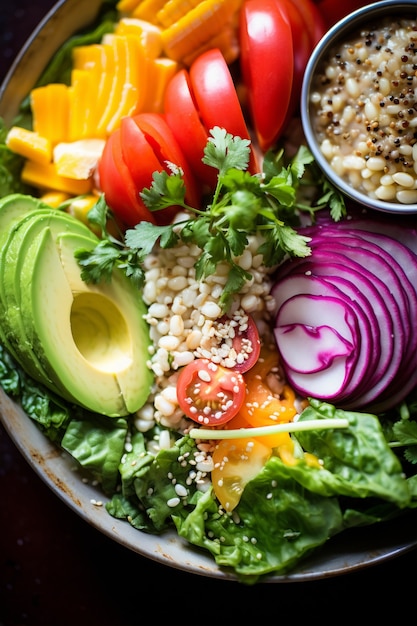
[(197, 27), (129, 81), (83, 97), (126, 6), (162, 70), (147, 33), (54, 199), (50, 111), (29, 144), (147, 10), (173, 10), (46, 177)]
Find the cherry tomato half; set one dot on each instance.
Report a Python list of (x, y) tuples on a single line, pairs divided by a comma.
[(267, 66), (208, 393), (246, 343), (142, 145)]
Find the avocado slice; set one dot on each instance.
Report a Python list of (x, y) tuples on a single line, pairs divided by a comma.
[(90, 339), (12, 208), (21, 237)]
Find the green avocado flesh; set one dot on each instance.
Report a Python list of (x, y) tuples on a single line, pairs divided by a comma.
[(88, 343), (21, 238)]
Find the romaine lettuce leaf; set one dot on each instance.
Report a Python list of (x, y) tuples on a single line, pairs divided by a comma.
[(357, 461), (279, 523), (98, 444)]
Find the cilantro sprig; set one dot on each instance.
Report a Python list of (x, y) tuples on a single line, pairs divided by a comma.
[(242, 204)]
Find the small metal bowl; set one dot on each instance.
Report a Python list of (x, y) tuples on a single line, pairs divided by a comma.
[(369, 15)]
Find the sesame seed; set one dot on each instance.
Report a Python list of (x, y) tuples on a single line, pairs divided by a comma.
[(173, 502)]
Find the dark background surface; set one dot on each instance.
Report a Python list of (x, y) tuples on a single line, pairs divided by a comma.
[(57, 570)]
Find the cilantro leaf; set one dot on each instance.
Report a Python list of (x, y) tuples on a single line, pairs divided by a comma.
[(242, 204), (224, 151), (165, 191), (98, 263), (145, 235)]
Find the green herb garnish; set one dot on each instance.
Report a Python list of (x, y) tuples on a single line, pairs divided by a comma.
[(242, 204)]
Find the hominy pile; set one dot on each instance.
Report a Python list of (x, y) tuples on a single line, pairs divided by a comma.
[(365, 100), (186, 321)]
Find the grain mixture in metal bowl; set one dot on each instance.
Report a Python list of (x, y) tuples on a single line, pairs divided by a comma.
[(365, 100)]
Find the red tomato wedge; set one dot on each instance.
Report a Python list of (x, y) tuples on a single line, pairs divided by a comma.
[(116, 182), (185, 122), (313, 18), (303, 45), (199, 99), (332, 11), (215, 94), (267, 65), (141, 146), (210, 394), (161, 138)]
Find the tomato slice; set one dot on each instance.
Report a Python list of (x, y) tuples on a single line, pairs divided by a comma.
[(117, 184), (208, 393), (216, 97), (184, 120), (236, 462), (313, 18), (162, 140), (332, 10), (137, 153), (143, 144), (267, 66), (303, 45)]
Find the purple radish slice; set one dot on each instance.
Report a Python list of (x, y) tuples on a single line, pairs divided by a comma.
[(312, 285), (406, 264), (318, 317), (403, 231), (376, 261), (386, 309)]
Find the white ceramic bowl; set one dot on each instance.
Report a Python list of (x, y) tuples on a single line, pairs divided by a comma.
[(348, 552), (370, 14)]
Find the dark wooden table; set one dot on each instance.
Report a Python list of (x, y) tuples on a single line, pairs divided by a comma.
[(57, 570)]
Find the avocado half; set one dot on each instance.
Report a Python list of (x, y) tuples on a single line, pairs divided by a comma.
[(87, 343)]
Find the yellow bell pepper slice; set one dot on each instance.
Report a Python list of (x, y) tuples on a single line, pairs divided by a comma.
[(29, 144)]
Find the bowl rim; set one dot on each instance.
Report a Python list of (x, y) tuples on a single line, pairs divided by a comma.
[(337, 32), (63, 19), (342, 555)]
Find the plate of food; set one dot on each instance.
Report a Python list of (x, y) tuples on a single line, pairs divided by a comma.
[(207, 350)]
